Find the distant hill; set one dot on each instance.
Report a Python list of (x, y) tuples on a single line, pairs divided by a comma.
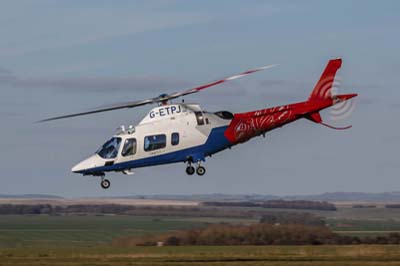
[(29, 196), (351, 196)]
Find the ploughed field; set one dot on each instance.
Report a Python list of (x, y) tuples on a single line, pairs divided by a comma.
[(204, 255)]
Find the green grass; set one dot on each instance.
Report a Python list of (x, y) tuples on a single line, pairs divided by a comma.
[(346, 213), (82, 230), (364, 225), (364, 228), (205, 255), (42, 230), (85, 240)]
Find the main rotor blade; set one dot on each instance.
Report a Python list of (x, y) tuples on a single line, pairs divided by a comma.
[(99, 110), (213, 83), (161, 98)]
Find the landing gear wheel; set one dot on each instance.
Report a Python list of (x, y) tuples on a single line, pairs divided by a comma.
[(200, 170), (105, 183), (190, 170)]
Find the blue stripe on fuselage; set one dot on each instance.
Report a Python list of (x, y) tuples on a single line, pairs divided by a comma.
[(216, 142)]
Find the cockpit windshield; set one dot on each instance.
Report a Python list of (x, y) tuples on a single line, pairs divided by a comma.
[(109, 150)]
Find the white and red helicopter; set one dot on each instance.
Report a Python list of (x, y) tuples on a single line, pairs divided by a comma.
[(179, 132)]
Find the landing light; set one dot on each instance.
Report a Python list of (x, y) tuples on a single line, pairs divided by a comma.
[(131, 129)]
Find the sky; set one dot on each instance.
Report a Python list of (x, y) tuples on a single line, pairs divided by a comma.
[(60, 57)]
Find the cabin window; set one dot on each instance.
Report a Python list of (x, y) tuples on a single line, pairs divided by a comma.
[(129, 147), (175, 138), (155, 142), (200, 118), (109, 150)]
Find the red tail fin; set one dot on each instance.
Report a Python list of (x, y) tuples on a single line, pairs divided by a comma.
[(322, 89)]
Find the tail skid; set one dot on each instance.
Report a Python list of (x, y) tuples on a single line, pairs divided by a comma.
[(336, 128)]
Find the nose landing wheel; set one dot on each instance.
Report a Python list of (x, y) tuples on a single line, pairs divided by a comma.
[(105, 183)]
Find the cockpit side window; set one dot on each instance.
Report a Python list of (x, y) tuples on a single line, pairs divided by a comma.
[(129, 148), (110, 149)]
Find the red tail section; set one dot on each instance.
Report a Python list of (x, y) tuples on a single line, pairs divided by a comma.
[(245, 126), (322, 89)]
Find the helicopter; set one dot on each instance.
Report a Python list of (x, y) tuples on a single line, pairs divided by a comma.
[(182, 132)]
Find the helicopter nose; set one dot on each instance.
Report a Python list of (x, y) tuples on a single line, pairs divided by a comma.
[(87, 164)]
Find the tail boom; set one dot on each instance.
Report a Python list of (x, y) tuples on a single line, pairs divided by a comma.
[(245, 126)]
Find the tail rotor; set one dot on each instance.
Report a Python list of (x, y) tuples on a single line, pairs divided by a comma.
[(327, 88)]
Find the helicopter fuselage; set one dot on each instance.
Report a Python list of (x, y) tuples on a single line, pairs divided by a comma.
[(185, 133), (167, 134)]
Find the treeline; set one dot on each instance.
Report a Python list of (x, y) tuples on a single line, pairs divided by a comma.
[(93, 209), (256, 234), (209, 209), (19, 209), (360, 206), (282, 204), (119, 209), (392, 206)]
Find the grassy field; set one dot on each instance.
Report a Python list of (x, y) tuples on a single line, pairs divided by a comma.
[(86, 240), (43, 230), (248, 255), (363, 228), (80, 230), (378, 214)]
